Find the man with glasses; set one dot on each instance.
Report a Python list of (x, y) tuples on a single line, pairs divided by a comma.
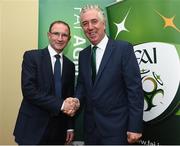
[(47, 80)]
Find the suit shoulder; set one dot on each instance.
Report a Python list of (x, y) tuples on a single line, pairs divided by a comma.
[(33, 51), (121, 42), (85, 50), (34, 54), (123, 46), (68, 60)]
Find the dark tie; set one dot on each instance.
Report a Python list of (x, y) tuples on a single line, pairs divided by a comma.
[(57, 76), (93, 63)]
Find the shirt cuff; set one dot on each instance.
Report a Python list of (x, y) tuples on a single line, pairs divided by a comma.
[(62, 107), (70, 130)]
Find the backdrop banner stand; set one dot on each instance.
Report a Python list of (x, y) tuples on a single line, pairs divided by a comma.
[(153, 27)]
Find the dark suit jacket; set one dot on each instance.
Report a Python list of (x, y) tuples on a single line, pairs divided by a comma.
[(39, 103), (115, 102)]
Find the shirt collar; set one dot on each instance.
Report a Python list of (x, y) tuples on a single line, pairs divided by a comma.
[(102, 44), (52, 52)]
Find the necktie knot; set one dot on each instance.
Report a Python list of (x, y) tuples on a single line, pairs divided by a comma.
[(94, 48), (57, 56)]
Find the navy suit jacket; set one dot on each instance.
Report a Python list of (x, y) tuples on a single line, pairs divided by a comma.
[(115, 102), (39, 103)]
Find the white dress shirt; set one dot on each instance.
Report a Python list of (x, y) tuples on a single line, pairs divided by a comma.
[(52, 53), (100, 51)]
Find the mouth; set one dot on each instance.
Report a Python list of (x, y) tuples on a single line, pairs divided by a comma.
[(92, 35), (59, 43)]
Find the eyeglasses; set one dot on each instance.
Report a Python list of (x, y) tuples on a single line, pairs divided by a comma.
[(58, 34)]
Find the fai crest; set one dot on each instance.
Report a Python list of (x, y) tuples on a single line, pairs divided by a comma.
[(160, 74)]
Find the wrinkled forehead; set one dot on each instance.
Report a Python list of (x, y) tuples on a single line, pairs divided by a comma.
[(91, 14)]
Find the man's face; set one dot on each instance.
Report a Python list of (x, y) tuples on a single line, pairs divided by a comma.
[(93, 27), (59, 37)]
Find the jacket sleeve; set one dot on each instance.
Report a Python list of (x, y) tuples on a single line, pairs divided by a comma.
[(71, 120), (132, 78), (32, 90), (80, 91)]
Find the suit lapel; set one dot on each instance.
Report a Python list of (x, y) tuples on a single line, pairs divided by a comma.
[(105, 59), (64, 70), (89, 71), (85, 65), (47, 67)]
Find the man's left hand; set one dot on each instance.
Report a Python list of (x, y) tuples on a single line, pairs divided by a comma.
[(133, 137), (69, 137)]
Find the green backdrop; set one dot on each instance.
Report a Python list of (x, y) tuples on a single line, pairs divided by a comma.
[(153, 27)]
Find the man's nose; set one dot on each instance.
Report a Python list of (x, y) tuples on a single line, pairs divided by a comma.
[(60, 36), (90, 26)]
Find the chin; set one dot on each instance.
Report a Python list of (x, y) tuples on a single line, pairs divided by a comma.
[(94, 42)]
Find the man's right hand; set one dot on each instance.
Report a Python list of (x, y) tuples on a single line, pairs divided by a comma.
[(71, 105)]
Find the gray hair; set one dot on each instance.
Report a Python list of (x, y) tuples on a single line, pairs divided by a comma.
[(93, 7)]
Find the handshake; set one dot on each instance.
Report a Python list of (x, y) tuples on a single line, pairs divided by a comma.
[(71, 105)]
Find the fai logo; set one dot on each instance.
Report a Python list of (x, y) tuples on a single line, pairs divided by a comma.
[(160, 74)]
